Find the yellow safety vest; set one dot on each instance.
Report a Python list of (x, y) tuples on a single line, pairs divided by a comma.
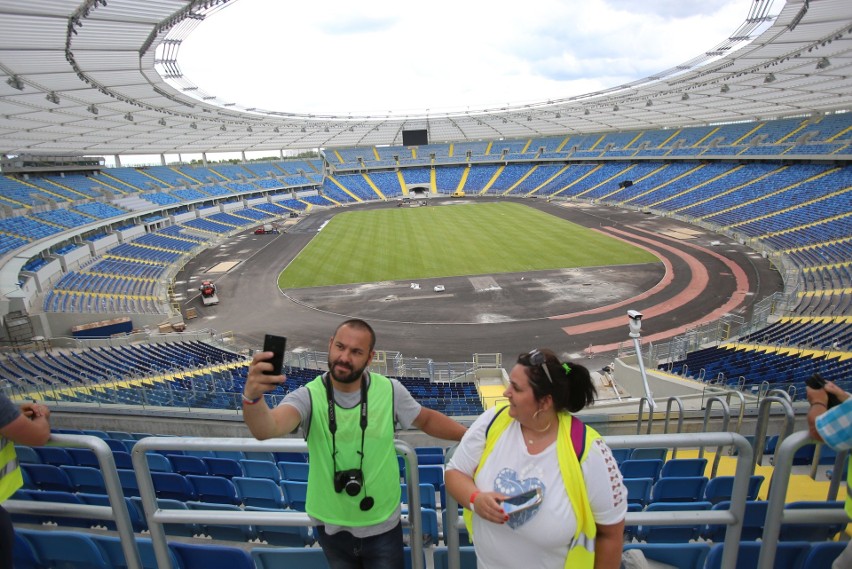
[(10, 471), (581, 550)]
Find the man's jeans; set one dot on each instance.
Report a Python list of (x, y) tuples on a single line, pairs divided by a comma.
[(344, 551)]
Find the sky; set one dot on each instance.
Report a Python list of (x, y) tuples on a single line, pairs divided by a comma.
[(339, 57)]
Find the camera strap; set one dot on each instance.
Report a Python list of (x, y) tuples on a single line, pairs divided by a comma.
[(332, 418)]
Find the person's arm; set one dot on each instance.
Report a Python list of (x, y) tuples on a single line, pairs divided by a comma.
[(31, 427), (609, 542), (263, 422), (818, 398), (439, 425)]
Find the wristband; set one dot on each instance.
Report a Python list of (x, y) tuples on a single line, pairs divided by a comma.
[(472, 498), (247, 401), (819, 403)]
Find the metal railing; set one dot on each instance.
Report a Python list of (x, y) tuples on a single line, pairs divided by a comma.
[(116, 511), (732, 518), (776, 514), (157, 517)]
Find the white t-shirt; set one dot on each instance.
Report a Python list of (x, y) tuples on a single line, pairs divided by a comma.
[(538, 537)]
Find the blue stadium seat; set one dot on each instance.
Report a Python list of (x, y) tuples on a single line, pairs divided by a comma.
[(285, 536), (47, 477), (261, 469), (679, 555), (649, 468), (23, 555), (226, 467), (185, 464), (753, 520), (193, 556), (295, 471), (172, 486), (719, 488), (214, 489), (684, 467), (260, 492), (822, 555), (65, 549), (227, 532), (27, 454), (789, 555), (649, 454), (296, 493), (671, 534), (679, 489), (427, 495), (278, 557), (85, 479), (639, 490), (811, 532), (467, 557), (110, 547)]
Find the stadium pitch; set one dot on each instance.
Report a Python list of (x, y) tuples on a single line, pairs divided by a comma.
[(464, 239)]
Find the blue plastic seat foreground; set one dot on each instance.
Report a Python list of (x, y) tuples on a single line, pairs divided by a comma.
[(65, 549), (680, 555), (755, 516), (23, 555), (720, 488), (789, 555), (679, 489), (111, 548), (277, 557), (467, 557), (673, 533), (823, 554), (814, 531), (193, 556)]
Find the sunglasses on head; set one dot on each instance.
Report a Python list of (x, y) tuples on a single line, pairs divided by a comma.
[(539, 359)]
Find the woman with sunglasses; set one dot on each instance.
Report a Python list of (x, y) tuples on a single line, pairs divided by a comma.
[(575, 517)]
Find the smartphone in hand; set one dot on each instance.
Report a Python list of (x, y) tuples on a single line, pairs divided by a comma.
[(523, 501), (817, 382), (276, 345)]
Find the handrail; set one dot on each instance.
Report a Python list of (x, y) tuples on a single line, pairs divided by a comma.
[(116, 511), (639, 417), (157, 517), (779, 392), (732, 517), (775, 512), (726, 418), (763, 410), (674, 399), (742, 406)]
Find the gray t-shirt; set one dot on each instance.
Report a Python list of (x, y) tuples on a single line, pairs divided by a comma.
[(405, 411), (8, 411)]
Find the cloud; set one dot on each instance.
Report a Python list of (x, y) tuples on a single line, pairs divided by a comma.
[(340, 58)]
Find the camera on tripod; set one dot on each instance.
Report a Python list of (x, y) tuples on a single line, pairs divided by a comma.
[(351, 480)]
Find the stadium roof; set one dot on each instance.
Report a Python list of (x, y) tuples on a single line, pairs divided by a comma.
[(101, 77)]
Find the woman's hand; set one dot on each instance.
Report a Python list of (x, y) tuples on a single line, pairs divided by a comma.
[(489, 506)]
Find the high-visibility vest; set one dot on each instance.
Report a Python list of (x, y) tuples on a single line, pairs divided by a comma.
[(570, 452), (380, 465), (10, 471)]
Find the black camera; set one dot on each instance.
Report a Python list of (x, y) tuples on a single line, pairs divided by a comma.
[(350, 480)]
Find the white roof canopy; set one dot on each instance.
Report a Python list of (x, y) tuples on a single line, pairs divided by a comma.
[(101, 77)]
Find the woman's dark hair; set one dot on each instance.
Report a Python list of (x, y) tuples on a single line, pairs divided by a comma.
[(571, 387)]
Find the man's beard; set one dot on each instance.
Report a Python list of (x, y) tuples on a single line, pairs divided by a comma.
[(351, 377)]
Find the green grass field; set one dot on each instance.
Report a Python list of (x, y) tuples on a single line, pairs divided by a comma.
[(464, 239)]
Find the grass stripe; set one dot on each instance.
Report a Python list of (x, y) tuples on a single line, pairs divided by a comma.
[(462, 239)]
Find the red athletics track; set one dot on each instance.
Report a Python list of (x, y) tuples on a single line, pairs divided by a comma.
[(699, 279)]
